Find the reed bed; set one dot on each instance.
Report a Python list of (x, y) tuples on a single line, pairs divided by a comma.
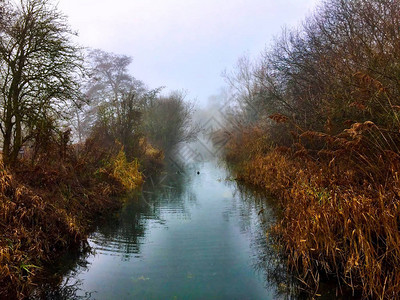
[(340, 203)]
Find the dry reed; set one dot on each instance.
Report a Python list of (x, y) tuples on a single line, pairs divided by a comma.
[(340, 204)]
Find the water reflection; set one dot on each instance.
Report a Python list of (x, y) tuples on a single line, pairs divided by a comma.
[(185, 236), (60, 283), (267, 261), (124, 234)]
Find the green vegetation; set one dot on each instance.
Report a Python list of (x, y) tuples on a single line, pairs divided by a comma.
[(319, 128)]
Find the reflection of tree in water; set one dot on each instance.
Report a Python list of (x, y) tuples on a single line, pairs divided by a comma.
[(66, 291), (121, 234), (257, 213), (59, 281), (125, 232)]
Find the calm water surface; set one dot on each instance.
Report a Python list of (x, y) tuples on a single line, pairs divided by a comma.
[(186, 236)]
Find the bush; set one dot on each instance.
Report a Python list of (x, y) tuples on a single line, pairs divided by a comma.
[(126, 172)]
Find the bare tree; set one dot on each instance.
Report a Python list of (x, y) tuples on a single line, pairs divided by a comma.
[(341, 65), (168, 121), (39, 72), (117, 100)]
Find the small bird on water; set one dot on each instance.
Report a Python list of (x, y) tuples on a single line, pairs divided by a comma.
[(198, 172)]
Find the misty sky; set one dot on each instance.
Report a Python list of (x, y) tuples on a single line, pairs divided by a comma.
[(183, 44)]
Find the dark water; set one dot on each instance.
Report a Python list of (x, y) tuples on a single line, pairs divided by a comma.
[(186, 236)]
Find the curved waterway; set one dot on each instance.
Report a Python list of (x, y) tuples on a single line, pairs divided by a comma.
[(185, 236)]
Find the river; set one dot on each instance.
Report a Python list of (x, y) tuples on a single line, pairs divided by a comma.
[(192, 233)]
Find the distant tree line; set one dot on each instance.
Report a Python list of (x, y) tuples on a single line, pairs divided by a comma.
[(121, 107), (48, 83)]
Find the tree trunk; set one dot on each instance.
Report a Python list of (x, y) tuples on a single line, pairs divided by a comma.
[(7, 144), (7, 139), (17, 141)]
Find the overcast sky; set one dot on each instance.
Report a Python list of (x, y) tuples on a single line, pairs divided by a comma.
[(183, 44)]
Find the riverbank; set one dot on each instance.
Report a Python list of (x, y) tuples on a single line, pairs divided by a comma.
[(166, 242), (340, 207), (49, 206)]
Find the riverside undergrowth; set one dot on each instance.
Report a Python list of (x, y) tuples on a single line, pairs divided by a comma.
[(340, 205), (48, 206)]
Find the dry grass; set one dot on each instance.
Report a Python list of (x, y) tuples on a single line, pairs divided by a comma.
[(152, 159), (340, 204), (48, 206), (126, 172), (35, 226)]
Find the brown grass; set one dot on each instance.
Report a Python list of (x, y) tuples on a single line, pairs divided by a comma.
[(340, 204), (48, 205)]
